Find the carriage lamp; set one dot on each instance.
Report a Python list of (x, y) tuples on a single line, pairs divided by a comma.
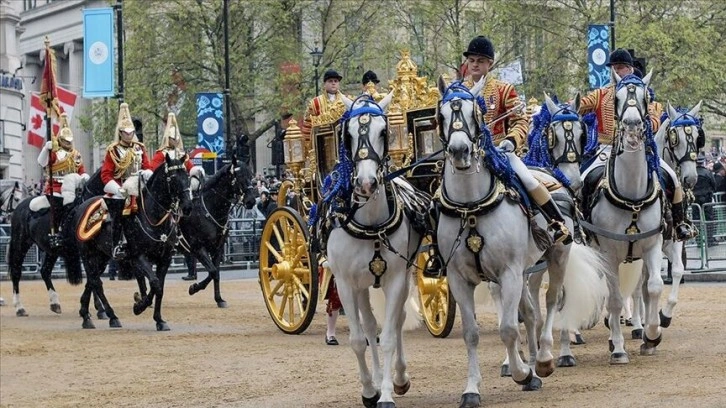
[(398, 140), (293, 145)]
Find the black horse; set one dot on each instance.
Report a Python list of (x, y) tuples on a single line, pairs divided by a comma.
[(28, 228), (205, 229), (151, 234)]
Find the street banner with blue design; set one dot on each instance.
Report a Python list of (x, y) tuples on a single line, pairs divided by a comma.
[(98, 58), (210, 122), (598, 49)]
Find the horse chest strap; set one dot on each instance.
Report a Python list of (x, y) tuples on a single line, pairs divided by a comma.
[(377, 266), (474, 242)]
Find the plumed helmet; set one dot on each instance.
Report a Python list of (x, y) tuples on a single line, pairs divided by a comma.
[(65, 132), (369, 76), (620, 56), (124, 119), (171, 132), (330, 74), (480, 46)]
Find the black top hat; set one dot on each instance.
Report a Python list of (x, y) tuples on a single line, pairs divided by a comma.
[(620, 56), (330, 74), (480, 46), (638, 73), (369, 76)]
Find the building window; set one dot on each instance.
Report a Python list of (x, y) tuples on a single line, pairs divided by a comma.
[(31, 4)]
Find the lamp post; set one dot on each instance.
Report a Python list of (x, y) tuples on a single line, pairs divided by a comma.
[(317, 55)]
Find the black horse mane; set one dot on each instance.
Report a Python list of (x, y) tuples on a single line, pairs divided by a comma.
[(212, 181)]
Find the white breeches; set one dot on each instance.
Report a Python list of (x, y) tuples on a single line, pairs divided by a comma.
[(528, 180)]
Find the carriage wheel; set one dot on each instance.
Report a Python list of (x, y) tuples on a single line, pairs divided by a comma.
[(288, 271), (438, 306)]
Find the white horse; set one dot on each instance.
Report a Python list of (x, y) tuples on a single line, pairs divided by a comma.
[(484, 234), (373, 244), (677, 146), (557, 141), (627, 215)]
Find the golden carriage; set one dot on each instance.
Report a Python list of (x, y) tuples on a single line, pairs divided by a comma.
[(290, 277)]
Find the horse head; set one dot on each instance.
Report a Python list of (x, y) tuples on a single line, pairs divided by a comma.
[(631, 110), (365, 136), (242, 180), (170, 185), (566, 139), (458, 122), (678, 142)]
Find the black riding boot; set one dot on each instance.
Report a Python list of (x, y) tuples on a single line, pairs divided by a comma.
[(435, 265), (556, 222), (683, 227), (191, 262), (57, 208), (115, 215)]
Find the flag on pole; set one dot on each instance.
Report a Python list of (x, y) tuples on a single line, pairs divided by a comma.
[(37, 125), (48, 85)]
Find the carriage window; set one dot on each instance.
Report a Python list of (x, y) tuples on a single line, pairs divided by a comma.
[(425, 137)]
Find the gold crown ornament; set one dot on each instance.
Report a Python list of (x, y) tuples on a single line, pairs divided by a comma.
[(65, 132)]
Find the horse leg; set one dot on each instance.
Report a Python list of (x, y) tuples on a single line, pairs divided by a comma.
[(46, 269), (100, 309), (511, 281), (143, 271), (161, 269), (143, 289), (526, 310), (214, 272), (636, 314), (566, 359), (349, 298), (16, 256), (396, 290), (556, 262), (496, 293), (674, 256), (463, 292), (100, 297), (369, 326), (615, 306), (653, 334), (534, 284), (85, 302)]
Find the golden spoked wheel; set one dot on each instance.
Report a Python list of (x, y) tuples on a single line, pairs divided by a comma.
[(288, 271), (437, 305)]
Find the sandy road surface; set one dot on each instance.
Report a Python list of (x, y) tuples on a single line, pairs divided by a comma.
[(236, 357)]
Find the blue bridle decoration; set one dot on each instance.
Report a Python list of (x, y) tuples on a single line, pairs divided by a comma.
[(590, 120), (539, 153)]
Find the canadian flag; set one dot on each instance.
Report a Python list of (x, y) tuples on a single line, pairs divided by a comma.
[(37, 126)]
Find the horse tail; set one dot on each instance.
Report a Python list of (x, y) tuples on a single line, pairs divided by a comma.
[(585, 289), (630, 274), (71, 249), (413, 311)]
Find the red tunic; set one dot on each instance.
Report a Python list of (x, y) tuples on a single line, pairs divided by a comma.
[(114, 155), (159, 159), (71, 162)]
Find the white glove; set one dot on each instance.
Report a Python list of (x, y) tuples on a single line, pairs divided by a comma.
[(44, 156), (146, 174), (85, 177), (112, 187), (49, 145), (507, 145)]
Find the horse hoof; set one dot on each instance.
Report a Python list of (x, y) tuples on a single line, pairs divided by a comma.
[(138, 308), (402, 389), (665, 321), (372, 401), (387, 404), (21, 313), (527, 379), (637, 334), (578, 339), (88, 324), (619, 358), (534, 385), (607, 323), (544, 368), (470, 400), (137, 297), (222, 304), (566, 361), (102, 315), (162, 326), (505, 371), (650, 344), (611, 346), (114, 323), (55, 308), (193, 289), (647, 351)]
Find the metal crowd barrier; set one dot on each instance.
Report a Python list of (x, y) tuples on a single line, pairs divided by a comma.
[(241, 250)]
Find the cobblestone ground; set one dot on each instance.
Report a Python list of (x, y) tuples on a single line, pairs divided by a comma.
[(236, 357)]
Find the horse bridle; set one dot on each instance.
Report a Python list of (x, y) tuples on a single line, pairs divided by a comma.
[(454, 94), (364, 150), (570, 154), (685, 121), (631, 101)]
